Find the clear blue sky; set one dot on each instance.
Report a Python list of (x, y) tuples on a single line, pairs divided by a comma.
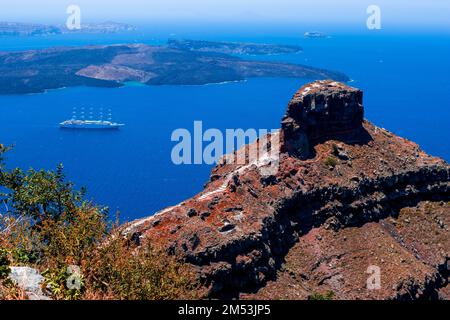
[(400, 13)]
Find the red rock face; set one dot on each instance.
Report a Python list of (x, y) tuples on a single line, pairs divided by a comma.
[(339, 178), (408, 250)]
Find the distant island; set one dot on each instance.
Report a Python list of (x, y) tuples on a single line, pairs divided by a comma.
[(315, 34), (233, 47), (36, 71), (30, 29)]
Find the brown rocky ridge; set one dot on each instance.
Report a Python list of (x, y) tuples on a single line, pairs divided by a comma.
[(348, 195)]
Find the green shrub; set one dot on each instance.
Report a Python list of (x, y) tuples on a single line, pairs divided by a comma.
[(334, 149), (329, 295), (4, 264), (330, 162), (23, 256), (61, 286), (117, 271)]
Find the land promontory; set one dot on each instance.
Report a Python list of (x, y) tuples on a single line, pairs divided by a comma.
[(36, 71), (353, 212)]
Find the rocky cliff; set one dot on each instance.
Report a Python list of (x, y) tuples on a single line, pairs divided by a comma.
[(348, 197)]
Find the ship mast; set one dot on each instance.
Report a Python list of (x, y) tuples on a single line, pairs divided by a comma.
[(91, 114), (74, 113)]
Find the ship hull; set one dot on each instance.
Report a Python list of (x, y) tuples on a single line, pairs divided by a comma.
[(90, 124), (92, 127)]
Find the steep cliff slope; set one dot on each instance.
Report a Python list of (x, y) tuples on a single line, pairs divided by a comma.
[(347, 196)]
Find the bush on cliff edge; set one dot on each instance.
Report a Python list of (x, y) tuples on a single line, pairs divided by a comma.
[(46, 224)]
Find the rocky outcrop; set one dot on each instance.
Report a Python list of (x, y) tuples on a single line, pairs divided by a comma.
[(321, 111), (317, 222)]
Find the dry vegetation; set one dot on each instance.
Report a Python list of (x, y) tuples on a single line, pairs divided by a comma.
[(47, 225)]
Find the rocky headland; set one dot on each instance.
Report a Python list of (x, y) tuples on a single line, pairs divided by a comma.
[(348, 197)]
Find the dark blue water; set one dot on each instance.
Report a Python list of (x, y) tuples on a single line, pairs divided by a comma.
[(405, 80)]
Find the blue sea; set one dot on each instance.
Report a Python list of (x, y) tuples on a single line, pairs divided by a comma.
[(405, 78)]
